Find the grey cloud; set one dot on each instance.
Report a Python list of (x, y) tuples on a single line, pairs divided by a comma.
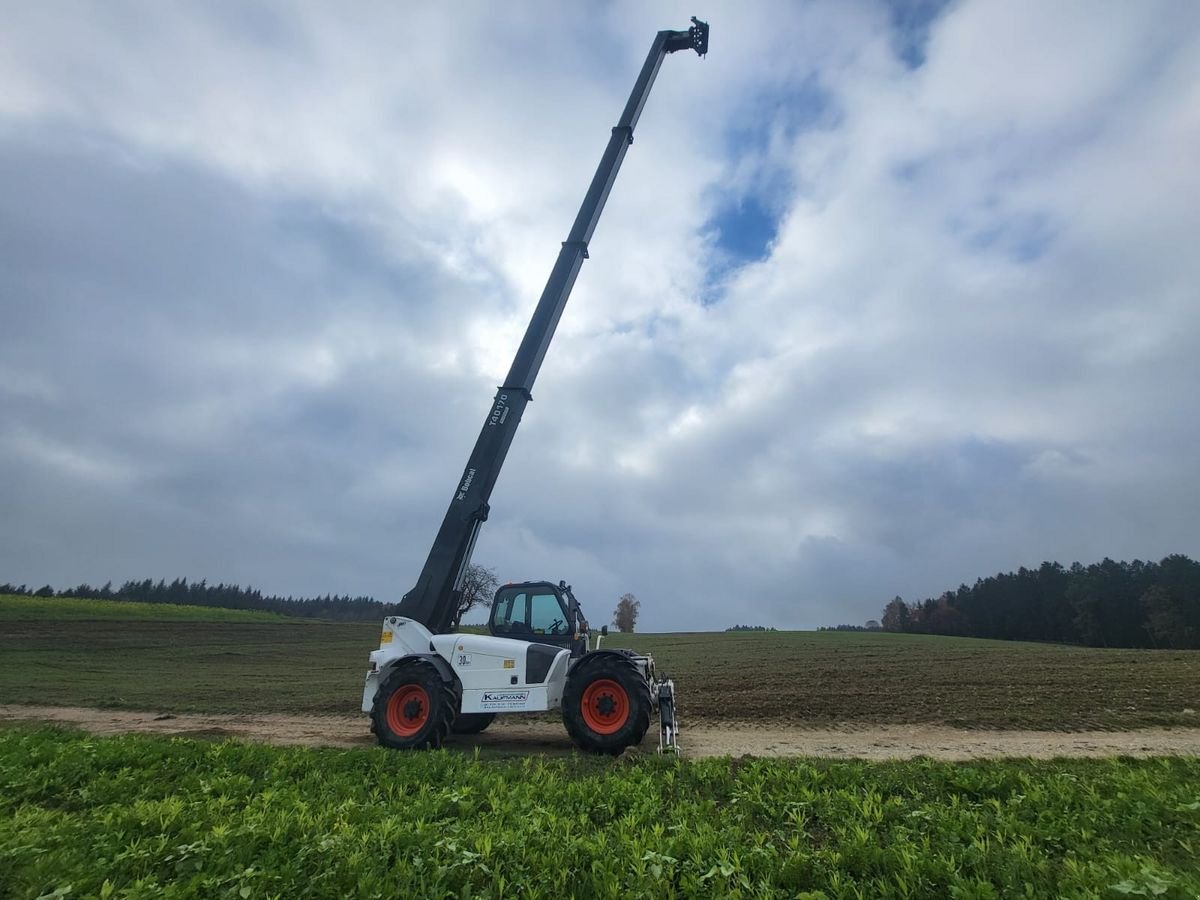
[(154, 448)]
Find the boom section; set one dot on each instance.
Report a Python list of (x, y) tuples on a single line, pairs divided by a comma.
[(434, 600)]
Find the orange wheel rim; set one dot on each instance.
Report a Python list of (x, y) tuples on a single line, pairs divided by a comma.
[(408, 710), (605, 706)]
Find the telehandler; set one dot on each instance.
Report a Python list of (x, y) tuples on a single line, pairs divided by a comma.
[(424, 682)]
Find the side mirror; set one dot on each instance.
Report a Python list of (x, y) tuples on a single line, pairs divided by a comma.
[(603, 631)]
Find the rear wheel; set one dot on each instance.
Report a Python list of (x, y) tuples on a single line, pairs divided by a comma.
[(413, 708), (472, 723), (606, 705)]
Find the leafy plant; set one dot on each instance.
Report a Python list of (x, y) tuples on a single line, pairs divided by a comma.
[(137, 816)]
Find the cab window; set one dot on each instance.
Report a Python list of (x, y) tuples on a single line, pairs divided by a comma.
[(511, 614), (546, 615)]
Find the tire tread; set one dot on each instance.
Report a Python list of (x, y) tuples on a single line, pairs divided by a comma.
[(416, 671), (627, 673)]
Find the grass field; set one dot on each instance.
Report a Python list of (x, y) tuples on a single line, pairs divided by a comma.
[(189, 659), (138, 817), (23, 608)]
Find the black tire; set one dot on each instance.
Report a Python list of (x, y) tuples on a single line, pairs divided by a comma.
[(414, 707), (471, 723), (627, 730)]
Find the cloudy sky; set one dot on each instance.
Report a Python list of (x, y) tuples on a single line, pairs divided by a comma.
[(888, 295)]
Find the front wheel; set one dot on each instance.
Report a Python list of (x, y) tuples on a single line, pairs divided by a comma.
[(413, 708), (606, 706)]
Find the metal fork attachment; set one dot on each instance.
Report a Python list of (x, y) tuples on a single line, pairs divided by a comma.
[(668, 725)]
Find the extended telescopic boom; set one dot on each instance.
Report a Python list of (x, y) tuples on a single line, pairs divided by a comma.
[(434, 600)]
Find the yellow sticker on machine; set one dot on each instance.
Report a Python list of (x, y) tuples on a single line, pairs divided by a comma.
[(385, 638), (510, 664)]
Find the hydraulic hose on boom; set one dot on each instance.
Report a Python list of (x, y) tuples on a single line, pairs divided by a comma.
[(434, 600)]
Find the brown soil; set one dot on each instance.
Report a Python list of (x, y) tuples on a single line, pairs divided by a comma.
[(513, 736)]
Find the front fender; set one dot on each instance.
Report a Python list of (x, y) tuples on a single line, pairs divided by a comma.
[(377, 676), (585, 662)]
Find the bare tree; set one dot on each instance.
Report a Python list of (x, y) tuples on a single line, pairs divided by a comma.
[(478, 589), (626, 613), (896, 615)]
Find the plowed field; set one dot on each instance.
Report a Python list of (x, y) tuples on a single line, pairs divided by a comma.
[(842, 681)]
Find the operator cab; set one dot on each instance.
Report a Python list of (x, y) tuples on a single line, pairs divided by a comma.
[(539, 612)]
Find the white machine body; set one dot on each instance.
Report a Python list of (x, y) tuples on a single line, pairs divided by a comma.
[(497, 674)]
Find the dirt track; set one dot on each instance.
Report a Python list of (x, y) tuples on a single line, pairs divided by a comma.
[(704, 739)]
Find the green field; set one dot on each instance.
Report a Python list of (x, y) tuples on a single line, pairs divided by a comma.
[(191, 659), (24, 608), (138, 817)]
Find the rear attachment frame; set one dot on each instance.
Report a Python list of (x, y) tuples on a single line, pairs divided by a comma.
[(668, 723)]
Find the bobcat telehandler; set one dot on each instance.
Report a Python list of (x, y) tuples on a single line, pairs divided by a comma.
[(424, 683)]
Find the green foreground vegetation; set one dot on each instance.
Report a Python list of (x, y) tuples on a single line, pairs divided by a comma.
[(194, 659), (136, 816)]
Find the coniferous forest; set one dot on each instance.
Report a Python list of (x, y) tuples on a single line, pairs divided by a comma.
[(1106, 604)]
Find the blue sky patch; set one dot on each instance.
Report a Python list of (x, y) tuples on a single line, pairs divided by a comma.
[(746, 214), (745, 229)]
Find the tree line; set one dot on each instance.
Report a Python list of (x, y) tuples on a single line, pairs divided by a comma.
[(227, 596), (478, 588), (1106, 604), (871, 625)]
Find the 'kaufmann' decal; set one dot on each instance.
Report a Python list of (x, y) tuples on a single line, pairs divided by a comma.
[(504, 699)]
